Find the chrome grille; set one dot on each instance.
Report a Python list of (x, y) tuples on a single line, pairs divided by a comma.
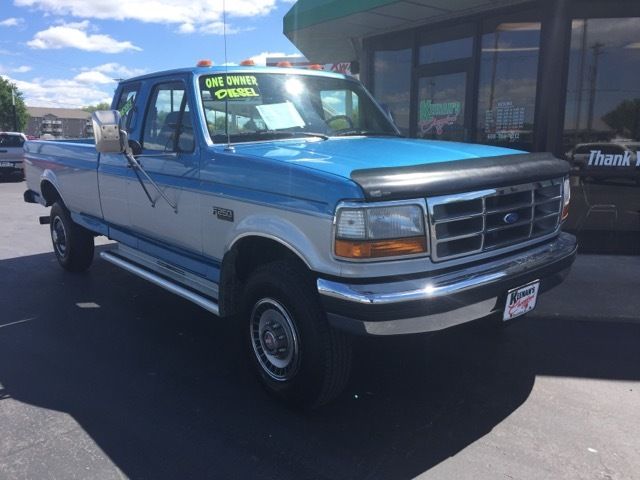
[(475, 222)]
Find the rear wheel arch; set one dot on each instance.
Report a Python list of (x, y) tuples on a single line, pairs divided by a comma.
[(50, 193), (245, 255)]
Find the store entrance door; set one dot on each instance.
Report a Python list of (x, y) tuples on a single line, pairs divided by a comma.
[(443, 112), (443, 85)]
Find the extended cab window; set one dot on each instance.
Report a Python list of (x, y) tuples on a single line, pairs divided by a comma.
[(127, 105), (168, 123)]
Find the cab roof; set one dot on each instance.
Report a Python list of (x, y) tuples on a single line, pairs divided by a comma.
[(220, 69)]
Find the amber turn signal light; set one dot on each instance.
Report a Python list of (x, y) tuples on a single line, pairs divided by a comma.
[(380, 248)]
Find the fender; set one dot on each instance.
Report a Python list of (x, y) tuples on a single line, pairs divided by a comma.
[(49, 176), (288, 234)]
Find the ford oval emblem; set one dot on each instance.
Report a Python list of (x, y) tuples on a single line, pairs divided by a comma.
[(511, 218)]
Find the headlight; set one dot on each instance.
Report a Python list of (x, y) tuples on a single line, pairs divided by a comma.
[(376, 232), (566, 198)]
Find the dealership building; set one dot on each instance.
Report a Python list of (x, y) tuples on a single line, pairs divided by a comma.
[(549, 75)]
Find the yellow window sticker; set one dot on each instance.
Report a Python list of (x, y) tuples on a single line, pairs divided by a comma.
[(232, 87)]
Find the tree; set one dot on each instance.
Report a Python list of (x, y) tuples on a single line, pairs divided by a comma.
[(6, 107), (625, 118), (99, 106)]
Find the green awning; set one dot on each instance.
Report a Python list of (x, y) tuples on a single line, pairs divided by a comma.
[(330, 30)]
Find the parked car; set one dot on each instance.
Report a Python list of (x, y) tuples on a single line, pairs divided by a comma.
[(11, 154), (287, 201)]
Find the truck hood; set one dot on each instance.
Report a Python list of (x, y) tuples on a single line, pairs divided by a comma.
[(388, 168), (342, 156)]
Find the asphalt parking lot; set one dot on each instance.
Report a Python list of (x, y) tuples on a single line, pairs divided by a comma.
[(105, 376)]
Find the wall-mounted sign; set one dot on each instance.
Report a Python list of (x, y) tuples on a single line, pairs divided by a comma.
[(505, 122), (341, 67), (436, 116)]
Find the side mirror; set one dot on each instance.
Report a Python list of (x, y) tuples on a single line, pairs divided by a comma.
[(106, 130)]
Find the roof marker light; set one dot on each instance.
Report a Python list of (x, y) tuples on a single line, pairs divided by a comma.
[(284, 64), (204, 63), (247, 63), (316, 66)]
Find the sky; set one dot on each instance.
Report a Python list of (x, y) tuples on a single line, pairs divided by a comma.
[(67, 53)]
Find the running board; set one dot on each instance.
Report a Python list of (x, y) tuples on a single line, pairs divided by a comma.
[(172, 287)]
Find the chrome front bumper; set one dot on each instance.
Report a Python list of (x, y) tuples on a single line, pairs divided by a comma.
[(445, 299)]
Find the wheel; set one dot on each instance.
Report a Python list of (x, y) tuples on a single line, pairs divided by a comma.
[(298, 357), (72, 244)]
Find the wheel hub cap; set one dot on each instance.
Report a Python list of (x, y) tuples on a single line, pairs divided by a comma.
[(59, 236), (274, 339)]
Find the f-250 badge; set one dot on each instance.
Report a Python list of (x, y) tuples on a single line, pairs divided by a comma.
[(223, 213)]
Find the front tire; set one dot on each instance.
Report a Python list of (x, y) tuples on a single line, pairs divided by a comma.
[(298, 357), (72, 244)]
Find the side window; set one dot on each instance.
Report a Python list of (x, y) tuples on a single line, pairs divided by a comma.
[(127, 105), (340, 109), (168, 123)]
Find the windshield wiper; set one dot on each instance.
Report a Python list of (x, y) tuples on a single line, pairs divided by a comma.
[(260, 134), (353, 133), (290, 134)]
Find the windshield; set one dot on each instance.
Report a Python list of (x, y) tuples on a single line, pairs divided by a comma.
[(263, 106)]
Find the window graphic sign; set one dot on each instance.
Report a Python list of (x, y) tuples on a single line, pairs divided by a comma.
[(232, 87), (434, 117), (505, 122)]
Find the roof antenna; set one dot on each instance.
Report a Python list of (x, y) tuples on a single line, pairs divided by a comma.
[(228, 148)]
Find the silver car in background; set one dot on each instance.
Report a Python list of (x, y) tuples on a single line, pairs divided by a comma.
[(12, 154)]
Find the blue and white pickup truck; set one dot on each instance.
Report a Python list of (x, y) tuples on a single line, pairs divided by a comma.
[(287, 201)]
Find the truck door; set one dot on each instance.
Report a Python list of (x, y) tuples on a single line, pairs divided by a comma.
[(170, 155), (113, 169)]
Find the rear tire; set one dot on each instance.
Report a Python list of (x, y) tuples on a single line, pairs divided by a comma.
[(298, 357), (72, 244)]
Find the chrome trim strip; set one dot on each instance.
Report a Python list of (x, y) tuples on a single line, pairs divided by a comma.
[(433, 323), (453, 282), (193, 297), (172, 272)]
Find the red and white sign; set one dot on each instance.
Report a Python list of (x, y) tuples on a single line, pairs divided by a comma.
[(521, 300)]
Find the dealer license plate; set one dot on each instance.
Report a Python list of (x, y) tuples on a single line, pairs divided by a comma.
[(6, 164), (521, 300)]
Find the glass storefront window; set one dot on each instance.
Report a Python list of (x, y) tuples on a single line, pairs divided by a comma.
[(446, 51), (441, 106), (602, 133), (507, 91), (392, 83)]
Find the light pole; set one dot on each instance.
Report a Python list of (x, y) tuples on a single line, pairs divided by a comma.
[(15, 114)]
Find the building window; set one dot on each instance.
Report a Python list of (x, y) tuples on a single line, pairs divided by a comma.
[(446, 51), (392, 83), (603, 91), (507, 89), (602, 133)]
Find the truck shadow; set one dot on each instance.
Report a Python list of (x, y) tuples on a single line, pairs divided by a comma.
[(10, 178), (165, 391)]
